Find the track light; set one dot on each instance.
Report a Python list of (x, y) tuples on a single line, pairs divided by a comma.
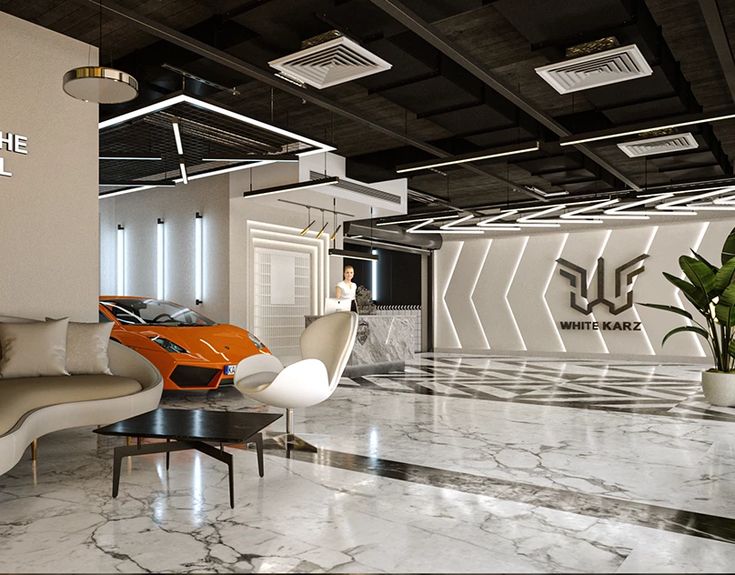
[(334, 233), (321, 231)]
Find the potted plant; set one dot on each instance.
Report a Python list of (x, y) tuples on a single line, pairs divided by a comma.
[(711, 290)]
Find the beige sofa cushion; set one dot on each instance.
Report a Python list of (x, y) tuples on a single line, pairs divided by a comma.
[(22, 395), (86, 347), (33, 349)]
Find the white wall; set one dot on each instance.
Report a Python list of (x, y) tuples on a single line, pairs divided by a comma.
[(48, 218), (507, 294), (139, 212)]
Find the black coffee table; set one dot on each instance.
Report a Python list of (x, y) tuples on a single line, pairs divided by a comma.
[(189, 429)]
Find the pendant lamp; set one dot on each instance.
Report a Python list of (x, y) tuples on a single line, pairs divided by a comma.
[(100, 84)]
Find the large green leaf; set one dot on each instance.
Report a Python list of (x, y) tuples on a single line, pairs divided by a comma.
[(695, 295), (670, 308), (699, 274), (725, 314), (727, 297), (724, 277), (731, 347), (728, 248), (705, 262), (692, 328)]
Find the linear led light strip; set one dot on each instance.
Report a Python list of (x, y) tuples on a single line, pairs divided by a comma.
[(572, 140), (182, 98), (292, 187), (493, 223), (135, 158), (418, 229), (159, 259), (120, 275), (688, 207), (485, 155), (574, 214), (198, 258)]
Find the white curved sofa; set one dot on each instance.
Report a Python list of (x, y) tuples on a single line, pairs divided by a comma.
[(40, 420)]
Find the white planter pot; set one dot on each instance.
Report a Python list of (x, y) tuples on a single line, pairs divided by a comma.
[(719, 387)]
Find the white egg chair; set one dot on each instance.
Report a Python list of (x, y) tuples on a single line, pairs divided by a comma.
[(326, 345)]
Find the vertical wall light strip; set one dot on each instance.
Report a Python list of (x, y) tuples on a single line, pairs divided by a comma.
[(160, 293), (374, 270), (198, 259), (120, 274)]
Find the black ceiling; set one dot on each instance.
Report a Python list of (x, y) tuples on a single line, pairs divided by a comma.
[(462, 80)]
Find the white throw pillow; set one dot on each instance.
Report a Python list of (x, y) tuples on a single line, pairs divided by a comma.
[(86, 348), (33, 349)]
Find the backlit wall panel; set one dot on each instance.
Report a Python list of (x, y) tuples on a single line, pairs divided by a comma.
[(507, 293)]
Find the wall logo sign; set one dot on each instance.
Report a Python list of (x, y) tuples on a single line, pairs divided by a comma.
[(14, 143), (624, 276)]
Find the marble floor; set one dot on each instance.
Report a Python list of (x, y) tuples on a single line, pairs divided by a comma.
[(459, 464)]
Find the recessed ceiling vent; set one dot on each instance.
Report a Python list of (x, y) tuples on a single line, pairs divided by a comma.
[(599, 69), (660, 145), (330, 62)]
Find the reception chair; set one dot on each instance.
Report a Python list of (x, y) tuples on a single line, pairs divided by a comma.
[(325, 348)]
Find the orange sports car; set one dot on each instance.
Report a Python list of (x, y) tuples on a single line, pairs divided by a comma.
[(190, 350)]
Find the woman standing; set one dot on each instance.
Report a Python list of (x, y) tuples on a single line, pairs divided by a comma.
[(346, 289)]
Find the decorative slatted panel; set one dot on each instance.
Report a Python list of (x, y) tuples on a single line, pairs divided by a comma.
[(278, 320)]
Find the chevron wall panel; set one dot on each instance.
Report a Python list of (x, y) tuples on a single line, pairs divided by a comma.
[(510, 293)]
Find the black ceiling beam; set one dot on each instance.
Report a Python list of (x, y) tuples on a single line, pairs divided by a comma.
[(422, 28), (223, 58), (718, 35)]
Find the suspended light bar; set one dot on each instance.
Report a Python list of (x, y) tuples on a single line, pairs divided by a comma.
[(198, 259), (184, 176), (632, 130), (353, 255), (334, 233), (307, 228), (120, 261), (273, 158), (320, 232), (292, 187), (473, 157), (159, 259), (129, 158), (177, 137)]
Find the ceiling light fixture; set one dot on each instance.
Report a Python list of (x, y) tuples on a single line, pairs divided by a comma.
[(473, 157), (319, 148), (292, 187), (100, 84), (177, 137), (353, 255), (129, 158), (645, 128), (184, 175), (283, 158)]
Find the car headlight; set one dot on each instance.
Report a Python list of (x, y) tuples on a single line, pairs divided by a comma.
[(168, 345), (259, 344)]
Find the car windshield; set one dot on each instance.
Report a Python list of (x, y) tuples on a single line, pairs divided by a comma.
[(154, 312)]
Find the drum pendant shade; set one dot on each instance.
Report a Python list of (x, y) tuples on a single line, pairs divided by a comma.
[(100, 84)]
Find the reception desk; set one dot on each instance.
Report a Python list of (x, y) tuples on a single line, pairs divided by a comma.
[(383, 344)]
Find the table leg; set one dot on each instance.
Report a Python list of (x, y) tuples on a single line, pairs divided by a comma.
[(259, 449), (116, 472), (232, 484)]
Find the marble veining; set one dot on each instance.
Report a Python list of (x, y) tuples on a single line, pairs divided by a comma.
[(426, 477)]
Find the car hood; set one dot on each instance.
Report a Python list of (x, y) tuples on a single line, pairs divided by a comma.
[(221, 343)]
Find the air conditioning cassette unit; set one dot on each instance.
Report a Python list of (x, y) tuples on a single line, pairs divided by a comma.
[(660, 145), (330, 63), (594, 70)]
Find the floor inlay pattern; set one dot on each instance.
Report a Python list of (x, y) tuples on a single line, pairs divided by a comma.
[(670, 389)]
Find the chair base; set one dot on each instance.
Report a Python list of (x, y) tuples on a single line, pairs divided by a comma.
[(289, 442)]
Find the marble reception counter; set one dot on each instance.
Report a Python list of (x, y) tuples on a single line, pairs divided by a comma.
[(384, 343)]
